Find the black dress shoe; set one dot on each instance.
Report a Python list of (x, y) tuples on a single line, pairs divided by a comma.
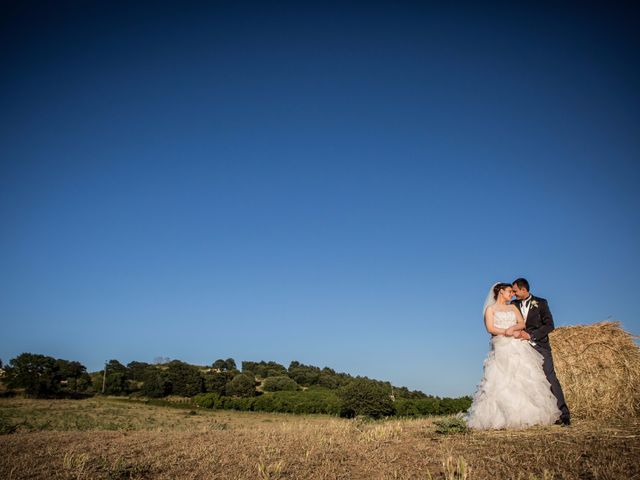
[(565, 422)]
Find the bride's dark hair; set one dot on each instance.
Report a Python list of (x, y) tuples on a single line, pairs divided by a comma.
[(498, 287)]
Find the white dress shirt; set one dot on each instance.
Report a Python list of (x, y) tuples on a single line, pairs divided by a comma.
[(524, 307)]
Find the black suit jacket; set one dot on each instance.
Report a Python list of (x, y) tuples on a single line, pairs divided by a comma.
[(539, 322)]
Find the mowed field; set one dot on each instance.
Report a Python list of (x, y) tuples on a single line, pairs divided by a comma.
[(106, 438)]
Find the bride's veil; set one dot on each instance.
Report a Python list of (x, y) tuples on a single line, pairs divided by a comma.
[(490, 300)]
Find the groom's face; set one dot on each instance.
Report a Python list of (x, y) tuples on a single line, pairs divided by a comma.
[(520, 293)]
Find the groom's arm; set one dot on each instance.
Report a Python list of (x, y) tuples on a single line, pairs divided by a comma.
[(545, 319)]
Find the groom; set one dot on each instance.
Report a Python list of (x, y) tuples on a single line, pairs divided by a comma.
[(538, 325)]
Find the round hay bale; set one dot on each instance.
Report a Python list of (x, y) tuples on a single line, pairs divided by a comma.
[(599, 369)]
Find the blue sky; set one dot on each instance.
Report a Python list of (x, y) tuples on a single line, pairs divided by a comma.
[(333, 183)]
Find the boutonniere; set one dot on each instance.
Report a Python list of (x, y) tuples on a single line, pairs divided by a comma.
[(534, 304)]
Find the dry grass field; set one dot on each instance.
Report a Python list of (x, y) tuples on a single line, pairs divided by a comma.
[(111, 439)]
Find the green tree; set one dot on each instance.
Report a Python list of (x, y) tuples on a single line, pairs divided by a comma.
[(73, 376), (215, 382), (242, 385), (116, 384), (428, 405), (115, 366), (406, 407), (116, 381), (222, 365), (39, 375), (280, 383), (136, 370), (264, 369), (186, 380), (454, 405), (219, 364), (230, 364), (404, 392), (328, 381), (306, 375), (365, 397), (155, 383)]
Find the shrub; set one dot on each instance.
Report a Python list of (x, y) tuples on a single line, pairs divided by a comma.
[(450, 425), (207, 400), (365, 397), (315, 400), (242, 385), (266, 403), (279, 383), (237, 403)]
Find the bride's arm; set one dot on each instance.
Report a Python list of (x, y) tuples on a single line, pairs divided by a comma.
[(518, 326), (488, 322)]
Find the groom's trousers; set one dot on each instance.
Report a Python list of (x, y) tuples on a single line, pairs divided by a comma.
[(550, 373)]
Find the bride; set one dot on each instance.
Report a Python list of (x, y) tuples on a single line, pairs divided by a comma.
[(513, 392)]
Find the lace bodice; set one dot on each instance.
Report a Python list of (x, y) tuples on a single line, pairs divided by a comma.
[(504, 319)]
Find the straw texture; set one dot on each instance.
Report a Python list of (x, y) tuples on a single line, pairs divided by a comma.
[(599, 369)]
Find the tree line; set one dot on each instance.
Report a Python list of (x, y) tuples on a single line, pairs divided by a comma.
[(256, 386)]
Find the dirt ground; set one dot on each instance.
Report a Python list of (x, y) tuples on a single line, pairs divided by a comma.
[(109, 439)]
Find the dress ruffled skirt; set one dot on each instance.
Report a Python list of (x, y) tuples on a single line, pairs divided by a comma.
[(514, 391)]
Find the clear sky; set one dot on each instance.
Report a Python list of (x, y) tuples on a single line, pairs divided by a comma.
[(333, 183)]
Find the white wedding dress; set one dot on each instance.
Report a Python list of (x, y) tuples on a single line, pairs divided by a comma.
[(514, 391)]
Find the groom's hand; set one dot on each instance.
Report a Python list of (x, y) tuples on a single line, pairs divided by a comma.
[(524, 335)]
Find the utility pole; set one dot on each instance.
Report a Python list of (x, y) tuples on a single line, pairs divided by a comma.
[(104, 377)]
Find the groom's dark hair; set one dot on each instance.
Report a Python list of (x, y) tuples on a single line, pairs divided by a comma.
[(522, 283)]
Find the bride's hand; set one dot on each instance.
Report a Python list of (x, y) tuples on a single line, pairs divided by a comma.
[(516, 334), (508, 332)]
